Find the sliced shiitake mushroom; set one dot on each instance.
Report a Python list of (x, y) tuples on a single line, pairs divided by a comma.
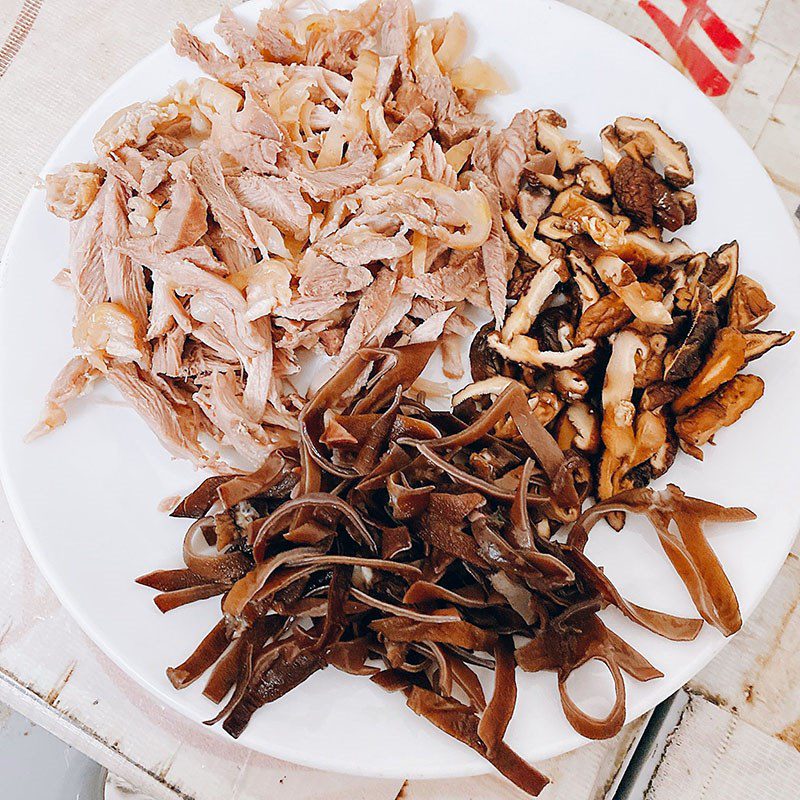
[(672, 154), (607, 315), (726, 358), (657, 395), (721, 271), (759, 342), (749, 305), (688, 358), (483, 359), (641, 193), (720, 410), (549, 125), (595, 180)]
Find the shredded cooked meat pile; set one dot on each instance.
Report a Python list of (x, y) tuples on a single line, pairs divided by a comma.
[(313, 195), (408, 546)]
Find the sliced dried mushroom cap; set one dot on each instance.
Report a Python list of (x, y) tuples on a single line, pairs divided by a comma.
[(555, 183), (645, 250), (525, 238), (489, 386), (650, 368), (570, 384), (546, 406), (657, 395), (532, 205), (749, 305), (688, 203), (721, 270), (668, 212), (582, 251), (558, 228), (607, 315), (526, 310), (686, 293), (688, 358), (665, 456), (648, 471), (612, 148), (589, 295), (650, 434), (634, 189), (723, 408), (483, 359), (548, 133), (525, 350), (618, 410), (595, 180), (672, 154), (621, 279), (586, 424), (726, 358), (759, 342), (641, 193)]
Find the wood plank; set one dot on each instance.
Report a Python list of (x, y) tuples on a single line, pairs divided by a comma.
[(715, 755)]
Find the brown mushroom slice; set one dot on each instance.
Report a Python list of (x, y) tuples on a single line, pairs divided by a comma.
[(727, 357), (548, 132), (749, 305), (672, 154), (688, 203), (650, 368), (525, 238), (495, 386), (759, 342), (689, 356), (685, 289), (595, 180), (721, 271), (588, 292), (607, 315), (612, 148), (618, 410), (570, 384), (665, 457), (650, 436), (532, 205), (723, 408), (526, 310), (558, 228), (657, 395), (641, 193), (483, 360), (525, 350), (634, 189), (620, 278), (584, 420), (640, 248), (556, 184)]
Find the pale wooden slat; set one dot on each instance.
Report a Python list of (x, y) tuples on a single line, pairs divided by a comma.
[(714, 755)]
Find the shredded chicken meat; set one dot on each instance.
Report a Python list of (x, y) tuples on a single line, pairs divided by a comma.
[(329, 173)]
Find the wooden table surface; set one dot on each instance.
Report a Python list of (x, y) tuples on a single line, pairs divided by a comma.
[(738, 733)]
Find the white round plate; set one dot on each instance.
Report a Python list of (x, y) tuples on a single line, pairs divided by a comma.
[(86, 496)]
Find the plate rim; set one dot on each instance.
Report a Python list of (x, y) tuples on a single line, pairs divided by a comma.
[(470, 766)]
